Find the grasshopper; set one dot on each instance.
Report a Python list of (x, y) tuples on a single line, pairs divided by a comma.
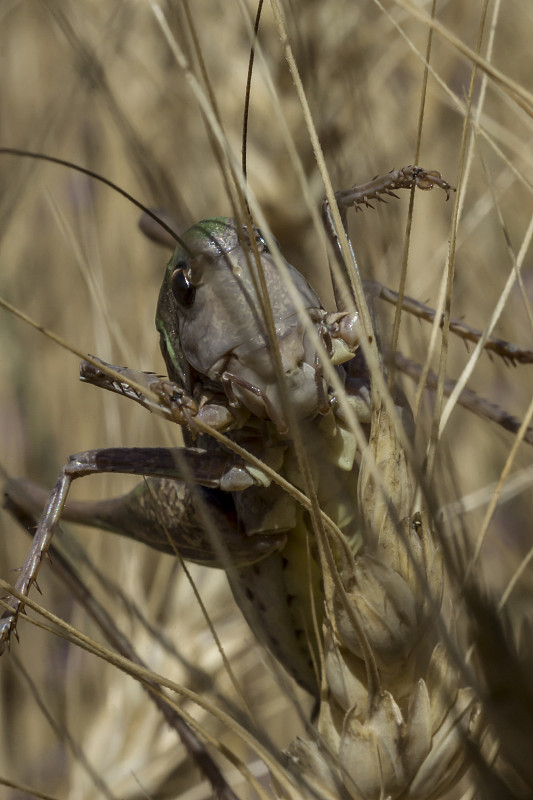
[(222, 372)]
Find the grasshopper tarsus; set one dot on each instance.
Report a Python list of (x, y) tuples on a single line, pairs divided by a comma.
[(403, 178)]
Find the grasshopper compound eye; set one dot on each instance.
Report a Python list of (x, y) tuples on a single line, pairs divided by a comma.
[(182, 288)]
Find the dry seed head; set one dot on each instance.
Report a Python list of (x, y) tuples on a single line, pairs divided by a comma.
[(311, 759), (387, 606), (396, 719), (386, 750), (393, 534), (395, 755), (346, 680), (396, 582)]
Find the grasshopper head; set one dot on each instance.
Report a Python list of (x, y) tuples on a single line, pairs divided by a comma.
[(211, 316)]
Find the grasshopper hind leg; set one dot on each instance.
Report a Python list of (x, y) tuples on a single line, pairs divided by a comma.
[(161, 513), (196, 520)]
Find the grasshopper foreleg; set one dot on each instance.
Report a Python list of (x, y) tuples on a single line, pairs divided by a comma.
[(160, 395)]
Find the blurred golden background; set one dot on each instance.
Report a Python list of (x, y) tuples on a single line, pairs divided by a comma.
[(97, 83)]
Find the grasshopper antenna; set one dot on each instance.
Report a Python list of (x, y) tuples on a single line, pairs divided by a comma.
[(248, 94), (12, 151)]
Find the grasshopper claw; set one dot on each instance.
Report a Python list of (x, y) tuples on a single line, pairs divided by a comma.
[(427, 179), (8, 622)]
